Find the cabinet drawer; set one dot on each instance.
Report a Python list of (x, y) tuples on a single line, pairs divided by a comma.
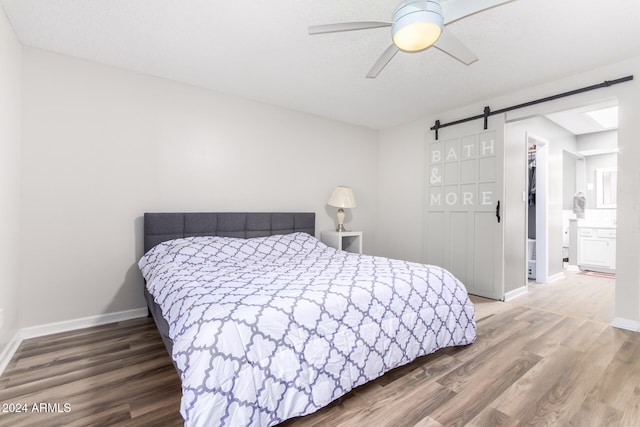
[(607, 232), (586, 232)]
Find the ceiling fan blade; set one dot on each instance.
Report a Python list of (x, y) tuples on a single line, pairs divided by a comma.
[(454, 10), (346, 26), (451, 45), (382, 61)]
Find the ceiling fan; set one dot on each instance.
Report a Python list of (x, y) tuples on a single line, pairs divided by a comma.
[(417, 25)]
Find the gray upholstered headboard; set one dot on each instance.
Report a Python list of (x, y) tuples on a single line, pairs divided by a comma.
[(160, 227)]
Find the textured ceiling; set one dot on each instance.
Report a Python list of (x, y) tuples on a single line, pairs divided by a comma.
[(262, 51)]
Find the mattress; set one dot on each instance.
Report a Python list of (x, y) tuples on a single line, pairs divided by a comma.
[(270, 328)]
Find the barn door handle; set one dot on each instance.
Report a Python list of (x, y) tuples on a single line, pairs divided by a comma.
[(498, 211)]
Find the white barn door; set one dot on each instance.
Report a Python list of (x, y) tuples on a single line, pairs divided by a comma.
[(463, 230)]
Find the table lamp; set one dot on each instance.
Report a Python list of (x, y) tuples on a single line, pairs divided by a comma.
[(342, 198)]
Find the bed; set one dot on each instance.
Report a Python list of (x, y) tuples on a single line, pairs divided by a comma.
[(265, 323)]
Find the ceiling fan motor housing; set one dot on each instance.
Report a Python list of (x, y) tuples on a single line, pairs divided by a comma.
[(417, 24)]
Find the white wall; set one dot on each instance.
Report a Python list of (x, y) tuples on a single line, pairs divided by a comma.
[(101, 146), (405, 147), (401, 191), (606, 140), (9, 179)]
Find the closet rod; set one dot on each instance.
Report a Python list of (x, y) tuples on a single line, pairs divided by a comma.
[(487, 111)]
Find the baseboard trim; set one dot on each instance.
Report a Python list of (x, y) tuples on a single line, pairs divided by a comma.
[(65, 326), (511, 295), (629, 325), (555, 277), (85, 322), (10, 350)]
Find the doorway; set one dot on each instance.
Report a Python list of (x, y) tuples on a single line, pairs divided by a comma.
[(537, 209), (572, 131)]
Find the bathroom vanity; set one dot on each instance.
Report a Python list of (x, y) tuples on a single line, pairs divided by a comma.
[(597, 248)]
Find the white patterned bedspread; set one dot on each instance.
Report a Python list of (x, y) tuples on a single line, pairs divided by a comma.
[(270, 328)]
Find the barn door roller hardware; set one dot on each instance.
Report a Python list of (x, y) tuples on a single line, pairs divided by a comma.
[(487, 111)]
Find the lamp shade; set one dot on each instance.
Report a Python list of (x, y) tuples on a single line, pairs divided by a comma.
[(342, 197)]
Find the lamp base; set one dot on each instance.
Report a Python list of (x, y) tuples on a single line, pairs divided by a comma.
[(340, 214)]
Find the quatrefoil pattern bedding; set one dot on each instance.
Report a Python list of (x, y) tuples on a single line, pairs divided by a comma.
[(270, 328)]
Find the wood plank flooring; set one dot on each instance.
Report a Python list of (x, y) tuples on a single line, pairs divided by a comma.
[(547, 358)]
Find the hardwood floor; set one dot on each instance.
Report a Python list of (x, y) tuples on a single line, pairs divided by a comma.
[(117, 374), (547, 358)]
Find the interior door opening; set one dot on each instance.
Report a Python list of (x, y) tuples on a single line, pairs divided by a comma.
[(571, 191), (537, 208)]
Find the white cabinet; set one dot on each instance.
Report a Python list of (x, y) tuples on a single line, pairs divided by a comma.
[(350, 241), (597, 249)]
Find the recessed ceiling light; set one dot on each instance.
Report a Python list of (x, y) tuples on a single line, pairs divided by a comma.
[(606, 117)]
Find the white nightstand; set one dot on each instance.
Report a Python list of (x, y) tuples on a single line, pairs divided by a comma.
[(350, 241)]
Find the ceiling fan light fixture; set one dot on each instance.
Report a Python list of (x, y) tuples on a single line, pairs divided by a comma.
[(417, 25), (417, 36)]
